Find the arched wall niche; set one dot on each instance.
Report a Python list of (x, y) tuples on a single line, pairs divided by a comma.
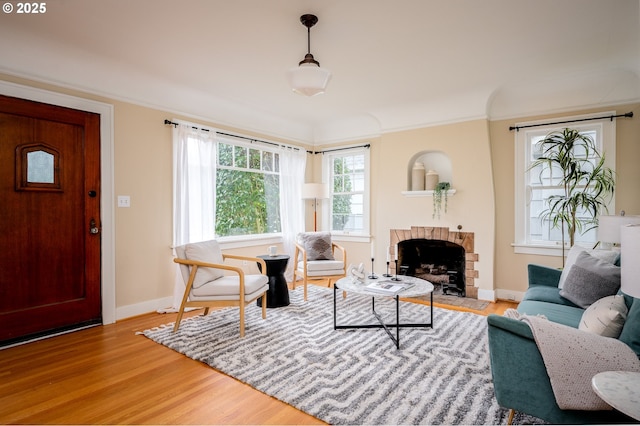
[(432, 160)]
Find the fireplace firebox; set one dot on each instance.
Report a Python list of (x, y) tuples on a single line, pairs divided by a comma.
[(457, 274), (440, 262)]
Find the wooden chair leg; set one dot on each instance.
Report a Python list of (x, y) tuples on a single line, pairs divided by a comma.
[(242, 318), (304, 283), (512, 412), (177, 324), (264, 305)]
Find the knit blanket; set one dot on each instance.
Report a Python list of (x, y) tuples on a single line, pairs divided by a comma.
[(572, 357)]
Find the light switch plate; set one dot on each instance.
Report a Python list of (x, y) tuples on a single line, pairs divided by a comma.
[(124, 201)]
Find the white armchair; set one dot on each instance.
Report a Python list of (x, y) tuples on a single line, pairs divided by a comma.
[(315, 258), (203, 270)]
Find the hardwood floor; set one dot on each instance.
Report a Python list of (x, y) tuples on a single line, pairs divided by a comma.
[(110, 375)]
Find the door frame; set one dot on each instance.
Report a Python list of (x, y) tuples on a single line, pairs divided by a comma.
[(107, 243)]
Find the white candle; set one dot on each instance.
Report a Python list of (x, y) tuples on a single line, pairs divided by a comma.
[(388, 250), (373, 250), (396, 251)]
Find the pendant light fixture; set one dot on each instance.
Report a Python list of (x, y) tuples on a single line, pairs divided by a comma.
[(308, 78)]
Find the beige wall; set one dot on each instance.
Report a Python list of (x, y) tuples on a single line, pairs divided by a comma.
[(511, 268), (467, 146), (481, 153)]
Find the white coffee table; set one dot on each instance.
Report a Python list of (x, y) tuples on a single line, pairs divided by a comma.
[(620, 389), (419, 287)]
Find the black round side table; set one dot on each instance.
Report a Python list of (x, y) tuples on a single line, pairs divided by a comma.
[(278, 293)]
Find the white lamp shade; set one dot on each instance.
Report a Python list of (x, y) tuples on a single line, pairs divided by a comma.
[(609, 227), (308, 79), (315, 191), (630, 260)]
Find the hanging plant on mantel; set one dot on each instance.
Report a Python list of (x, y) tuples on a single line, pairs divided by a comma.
[(440, 190)]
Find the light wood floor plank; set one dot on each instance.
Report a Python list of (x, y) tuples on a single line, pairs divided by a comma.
[(110, 375)]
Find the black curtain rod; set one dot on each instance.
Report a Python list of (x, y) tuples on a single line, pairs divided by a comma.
[(610, 117), (339, 149), (235, 136)]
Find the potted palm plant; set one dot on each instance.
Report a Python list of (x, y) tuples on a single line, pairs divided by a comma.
[(587, 184)]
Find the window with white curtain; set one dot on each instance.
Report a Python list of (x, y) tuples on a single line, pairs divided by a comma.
[(232, 190), (347, 173), (533, 186), (247, 189)]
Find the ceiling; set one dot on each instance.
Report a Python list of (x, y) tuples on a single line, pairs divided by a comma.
[(396, 64)]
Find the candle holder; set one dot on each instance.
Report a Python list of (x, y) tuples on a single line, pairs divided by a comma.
[(395, 278), (373, 275), (387, 275)]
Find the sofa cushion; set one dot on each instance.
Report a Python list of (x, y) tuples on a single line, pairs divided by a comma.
[(544, 293), (590, 279), (631, 330), (605, 317), (563, 314), (317, 245)]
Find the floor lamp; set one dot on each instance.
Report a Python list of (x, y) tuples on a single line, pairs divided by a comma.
[(315, 192)]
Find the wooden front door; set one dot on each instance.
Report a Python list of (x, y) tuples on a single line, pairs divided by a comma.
[(49, 219)]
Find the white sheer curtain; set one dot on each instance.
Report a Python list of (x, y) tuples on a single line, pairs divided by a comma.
[(194, 188), (292, 166)]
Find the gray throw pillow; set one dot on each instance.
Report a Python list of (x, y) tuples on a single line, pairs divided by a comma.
[(589, 280), (317, 245)]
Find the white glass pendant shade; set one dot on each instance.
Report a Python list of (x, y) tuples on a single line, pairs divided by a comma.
[(308, 79)]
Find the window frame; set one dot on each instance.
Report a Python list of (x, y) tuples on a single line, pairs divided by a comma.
[(238, 241), (327, 207), (605, 127)]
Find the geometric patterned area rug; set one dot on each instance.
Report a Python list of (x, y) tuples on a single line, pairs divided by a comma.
[(438, 376)]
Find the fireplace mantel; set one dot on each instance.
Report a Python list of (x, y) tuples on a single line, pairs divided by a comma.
[(464, 239)]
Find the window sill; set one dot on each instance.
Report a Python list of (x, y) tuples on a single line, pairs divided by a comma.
[(249, 241), (540, 249), (356, 238)]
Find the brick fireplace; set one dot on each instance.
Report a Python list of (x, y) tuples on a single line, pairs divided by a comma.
[(461, 271)]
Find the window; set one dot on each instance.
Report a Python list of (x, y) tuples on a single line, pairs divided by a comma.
[(347, 172), (234, 191), (247, 190), (534, 186), (38, 168)]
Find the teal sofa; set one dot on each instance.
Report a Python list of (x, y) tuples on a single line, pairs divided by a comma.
[(520, 378)]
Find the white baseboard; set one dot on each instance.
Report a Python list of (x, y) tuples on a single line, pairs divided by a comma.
[(512, 295), (143, 308), (489, 295)]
